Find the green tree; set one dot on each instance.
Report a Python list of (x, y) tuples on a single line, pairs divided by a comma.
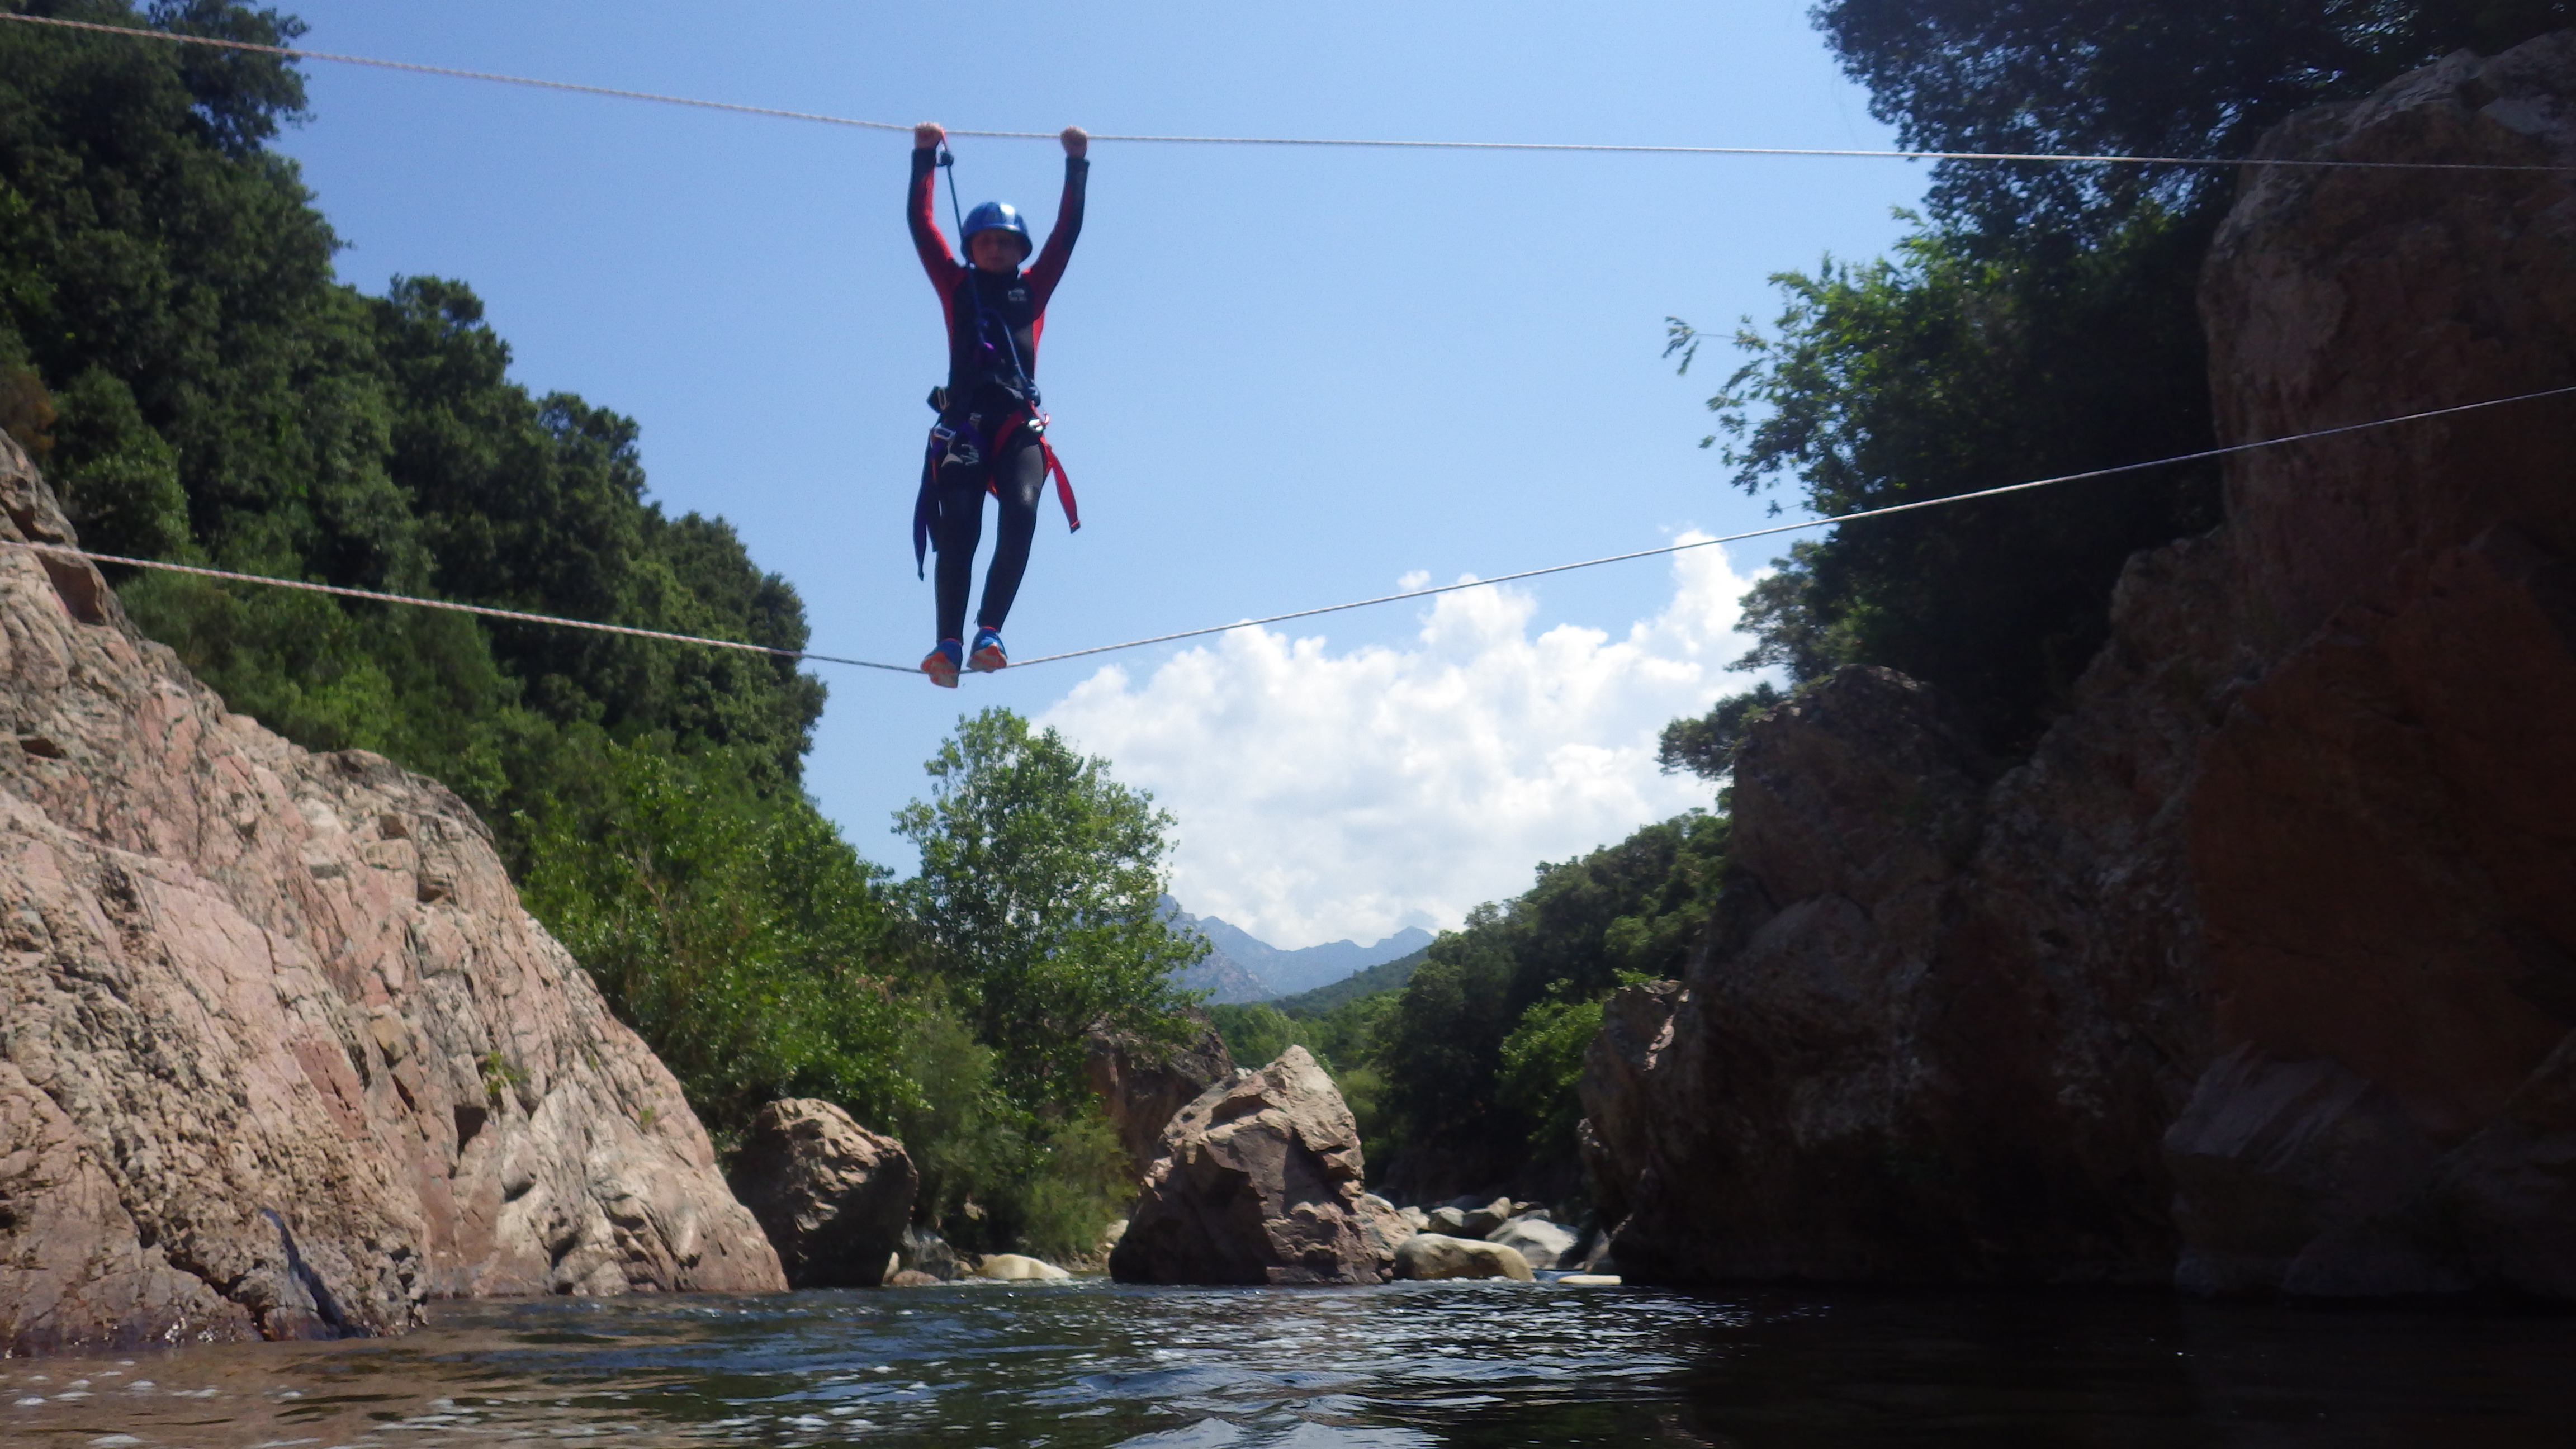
[(173, 342), (1944, 371), (755, 951), (1480, 1051), (2038, 321), (1706, 746), (2187, 78), (1040, 885)]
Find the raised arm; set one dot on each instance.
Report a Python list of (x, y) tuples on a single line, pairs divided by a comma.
[(920, 212), (1048, 269)]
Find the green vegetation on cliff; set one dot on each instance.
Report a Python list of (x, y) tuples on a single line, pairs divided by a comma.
[(175, 350), (2039, 320), (1462, 1071)]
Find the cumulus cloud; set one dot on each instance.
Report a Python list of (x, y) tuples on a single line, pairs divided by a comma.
[(1322, 795)]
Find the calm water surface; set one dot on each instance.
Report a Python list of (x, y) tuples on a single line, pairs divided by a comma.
[(1409, 1364)]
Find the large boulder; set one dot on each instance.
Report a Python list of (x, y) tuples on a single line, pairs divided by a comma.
[(1142, 1084), (2256, 975), (1428, 1256), (833, 1196), (1019, 1268), (280, 1054), (1542, 1242), (1259, 1181)]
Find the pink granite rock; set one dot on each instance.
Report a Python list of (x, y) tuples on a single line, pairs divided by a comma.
[(1259, 1182), (280, 1054)]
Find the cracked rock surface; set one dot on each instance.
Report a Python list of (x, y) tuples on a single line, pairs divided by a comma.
[(1258, 1181), (280, 1054)]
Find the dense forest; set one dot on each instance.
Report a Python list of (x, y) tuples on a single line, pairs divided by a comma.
[(176, 352)]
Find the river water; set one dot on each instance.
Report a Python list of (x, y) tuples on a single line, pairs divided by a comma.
[(1093, 1364)]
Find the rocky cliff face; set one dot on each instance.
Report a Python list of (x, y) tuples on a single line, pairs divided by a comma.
[(280, 1055), (1142, 1085), (2259, 975)]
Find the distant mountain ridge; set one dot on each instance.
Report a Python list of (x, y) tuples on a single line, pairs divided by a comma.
[(1385, 976), (1241, 967)]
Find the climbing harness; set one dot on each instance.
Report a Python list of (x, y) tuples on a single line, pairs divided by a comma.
[(959, 438)]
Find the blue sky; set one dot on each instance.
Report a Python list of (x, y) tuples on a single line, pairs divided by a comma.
[(1281, 377)]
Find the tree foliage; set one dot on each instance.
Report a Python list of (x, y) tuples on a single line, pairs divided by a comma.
[(1481, 1050), (756, 951), (1705, 746), (2038, 321), (2178, 78), (1041, 885), (173, 343)]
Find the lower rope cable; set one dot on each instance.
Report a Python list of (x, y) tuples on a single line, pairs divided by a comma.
[(521, 617)]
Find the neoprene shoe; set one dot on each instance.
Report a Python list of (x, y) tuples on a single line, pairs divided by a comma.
[(988, 655), (942, 663)]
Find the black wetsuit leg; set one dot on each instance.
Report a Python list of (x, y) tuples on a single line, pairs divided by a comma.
[(1022, 480), (960, 528), (1021, 477)]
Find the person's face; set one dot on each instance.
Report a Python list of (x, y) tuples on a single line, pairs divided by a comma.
[(997, 251)]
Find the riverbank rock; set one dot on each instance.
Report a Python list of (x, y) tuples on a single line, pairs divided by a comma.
[(1258, 1181), (280, 1054), (924, 1251), (833, 1196), (1471, 1220), (1427, 1256), (1143, 1084), (1019, 1268), (2256, 975), (1541, 1242)]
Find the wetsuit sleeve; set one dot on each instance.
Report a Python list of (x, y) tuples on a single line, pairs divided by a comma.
[(918, 214), (1049, 267)]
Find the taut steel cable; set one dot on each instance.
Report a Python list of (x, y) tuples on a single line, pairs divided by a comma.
[(295, 53)]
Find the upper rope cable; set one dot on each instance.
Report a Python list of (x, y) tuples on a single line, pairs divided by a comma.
[(294, 53), (518, 616)]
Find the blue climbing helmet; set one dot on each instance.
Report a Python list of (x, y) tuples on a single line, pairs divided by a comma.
[(997, 216)]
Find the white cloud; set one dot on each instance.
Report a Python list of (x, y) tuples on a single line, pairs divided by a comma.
[(1325, 795)]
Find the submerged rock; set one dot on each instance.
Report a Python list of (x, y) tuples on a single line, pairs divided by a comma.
[(1436, 1255), (1258, 1181), (2257, 974), (284, 1057), (833, 1196)]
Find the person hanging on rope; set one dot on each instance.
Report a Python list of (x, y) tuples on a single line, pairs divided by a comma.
[(991, 436)]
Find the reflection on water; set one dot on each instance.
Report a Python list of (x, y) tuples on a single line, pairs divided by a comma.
[(1091, 1364)]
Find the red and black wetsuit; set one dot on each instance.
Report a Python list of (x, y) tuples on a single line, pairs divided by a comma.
[(994, 322)]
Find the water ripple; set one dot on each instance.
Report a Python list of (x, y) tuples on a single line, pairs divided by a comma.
[(1097, 1366)]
